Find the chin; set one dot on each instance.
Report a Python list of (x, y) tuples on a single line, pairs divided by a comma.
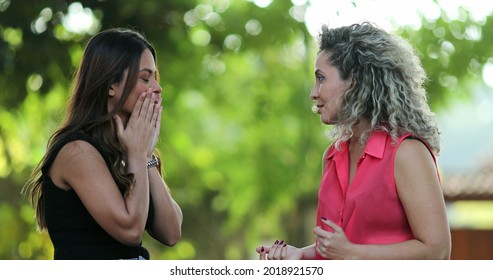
[(328, 121)]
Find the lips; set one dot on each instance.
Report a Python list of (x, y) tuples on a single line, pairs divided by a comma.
[(316, 108)]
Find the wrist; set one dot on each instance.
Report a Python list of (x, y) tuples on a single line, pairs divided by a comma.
[(135, 158)]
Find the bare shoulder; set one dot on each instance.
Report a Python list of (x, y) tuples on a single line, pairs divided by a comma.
[(414, 166), (412, 151), (76, 159), (79, 153), (79, 148)]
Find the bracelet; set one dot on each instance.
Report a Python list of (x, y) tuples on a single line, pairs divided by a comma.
[(153, 162)]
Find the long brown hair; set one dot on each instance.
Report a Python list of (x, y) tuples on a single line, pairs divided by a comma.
[(107, 56)]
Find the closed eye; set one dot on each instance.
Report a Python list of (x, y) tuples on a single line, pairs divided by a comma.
[(146, 74)]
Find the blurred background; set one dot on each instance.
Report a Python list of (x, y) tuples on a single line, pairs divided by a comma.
[(242, 149)]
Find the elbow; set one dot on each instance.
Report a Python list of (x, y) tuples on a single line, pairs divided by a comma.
[(441, 254), (126, 229), (174, 234), (444, 253), (132, 237), (171, 243), (129, 234), (441, 251), (173, 238), (446, 248), (168, 237)]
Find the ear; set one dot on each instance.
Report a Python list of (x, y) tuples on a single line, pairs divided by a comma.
[(112, 90)]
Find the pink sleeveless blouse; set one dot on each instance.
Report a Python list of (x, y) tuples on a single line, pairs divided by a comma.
[(368, 210)]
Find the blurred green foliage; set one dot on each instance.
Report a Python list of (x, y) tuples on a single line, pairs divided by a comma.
[(242, 149)]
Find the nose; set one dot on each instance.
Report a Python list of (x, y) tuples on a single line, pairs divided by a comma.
[(156, 88), (314, 93)]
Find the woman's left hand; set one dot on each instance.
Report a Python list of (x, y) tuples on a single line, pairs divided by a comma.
[(332, 245)]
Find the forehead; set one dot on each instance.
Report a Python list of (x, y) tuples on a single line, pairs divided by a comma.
[(147, 59), (322, 60)]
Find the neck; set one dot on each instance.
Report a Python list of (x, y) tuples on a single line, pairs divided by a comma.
[(358, 130), (124, 118)]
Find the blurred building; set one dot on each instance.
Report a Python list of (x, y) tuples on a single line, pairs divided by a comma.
[(469, 198)]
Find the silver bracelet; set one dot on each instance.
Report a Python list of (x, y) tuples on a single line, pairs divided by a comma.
[(153, 162)]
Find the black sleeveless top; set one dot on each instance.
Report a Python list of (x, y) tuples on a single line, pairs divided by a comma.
[(73, 231)]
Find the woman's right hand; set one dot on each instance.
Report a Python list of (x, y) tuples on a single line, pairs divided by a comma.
[(140, 131), (279, 251)]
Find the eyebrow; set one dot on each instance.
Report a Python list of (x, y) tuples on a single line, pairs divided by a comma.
[(150, 72), (147, 70)]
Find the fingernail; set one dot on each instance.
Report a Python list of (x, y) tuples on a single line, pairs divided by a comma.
[(261, 250), (284, 245), (277, 242), (282, 241), (323, 218)]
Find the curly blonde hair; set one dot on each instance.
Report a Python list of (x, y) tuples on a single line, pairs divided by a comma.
[(386, 84)]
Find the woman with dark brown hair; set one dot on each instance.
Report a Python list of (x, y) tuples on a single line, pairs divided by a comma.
[(99, 185)]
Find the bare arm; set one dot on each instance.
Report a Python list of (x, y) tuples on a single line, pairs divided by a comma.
[(80, 167), (168, 217), (309, 252), (420, 193)]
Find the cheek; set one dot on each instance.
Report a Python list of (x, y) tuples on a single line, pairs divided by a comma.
[(339, 101), (337, 104), (141, 86), (130, 102)]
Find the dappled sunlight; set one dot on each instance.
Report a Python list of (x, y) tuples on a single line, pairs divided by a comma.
[(488, 73), (200, 37), (261, 3), (80, 20), (241, 148)]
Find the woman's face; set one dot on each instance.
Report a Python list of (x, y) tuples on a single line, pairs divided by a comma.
[(146, 81), (328, 90)]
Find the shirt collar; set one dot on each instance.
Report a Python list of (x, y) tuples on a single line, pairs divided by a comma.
[(376, 144), (374, 147)]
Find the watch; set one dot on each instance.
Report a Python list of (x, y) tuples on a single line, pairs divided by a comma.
[(153, 162)]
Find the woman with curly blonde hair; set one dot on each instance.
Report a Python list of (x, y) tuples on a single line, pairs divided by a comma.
[(380, 195)]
